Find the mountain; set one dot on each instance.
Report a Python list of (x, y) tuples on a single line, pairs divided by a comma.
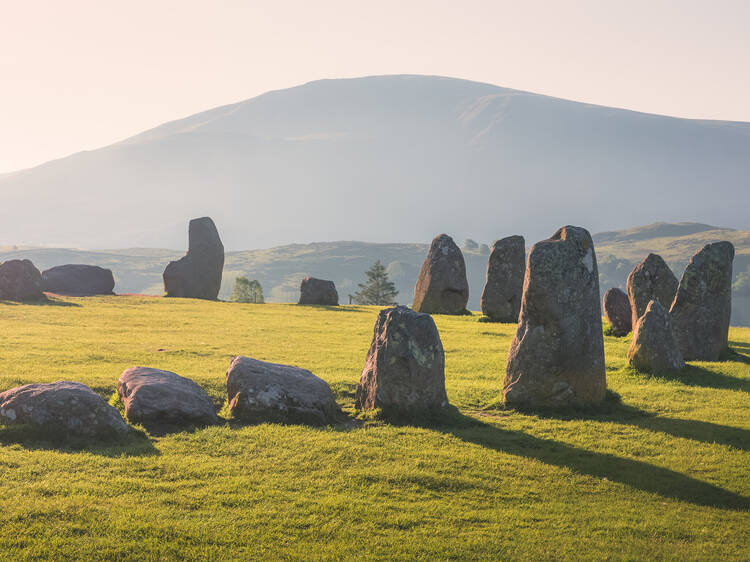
[(280, 269), (384, 159)]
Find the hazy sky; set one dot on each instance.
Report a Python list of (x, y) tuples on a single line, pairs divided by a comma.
[(76, 75)]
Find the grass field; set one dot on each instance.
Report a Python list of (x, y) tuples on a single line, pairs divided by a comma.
[(662, 474)]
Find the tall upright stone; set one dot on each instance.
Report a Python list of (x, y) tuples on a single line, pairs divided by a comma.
[(501, 297), (650, 280), (557, 356), (703, 305), (617, 311), (198, 274), (442, 287)]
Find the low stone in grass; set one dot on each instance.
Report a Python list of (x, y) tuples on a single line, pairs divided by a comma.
[(163, 400), (259, 392), (78, 280), (404, 373), (65, 408), (318, 291), (703, 305), (617, 311), (655, 348), (21, 281)]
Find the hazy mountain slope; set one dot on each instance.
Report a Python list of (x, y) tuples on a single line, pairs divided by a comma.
[(383, 159)]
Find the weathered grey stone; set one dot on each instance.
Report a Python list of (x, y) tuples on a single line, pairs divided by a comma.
[(557, 356), (617, 311), (650, 280), (70, 408), (501, 297), (404, 372), (703, 305), (20, 281), (318, 291), (161, 400), (198, 274), (655, 348), (442, 287), (78, 280), (267, 392)]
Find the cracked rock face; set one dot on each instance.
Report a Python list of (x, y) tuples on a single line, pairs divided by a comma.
[(617, 311), (198, 274), (703, 305), (557, 356), (655, 348), (70, 408), (259, 392), (650, 280), (442, 287), (404, 371), (501, 297)]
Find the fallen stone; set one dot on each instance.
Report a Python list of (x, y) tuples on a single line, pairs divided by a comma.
[(20, 281), (78, 280), (318, 291)]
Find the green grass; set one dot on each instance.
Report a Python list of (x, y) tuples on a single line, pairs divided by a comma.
[(661, 474)]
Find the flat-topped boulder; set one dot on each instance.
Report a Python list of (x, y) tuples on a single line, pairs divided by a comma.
[(650, 280), (162, 400), (198, 274), (442, 287), (318, 291), (655, 348), (78, 280), (260, 392), (557, 356), (404, 371), (21, 281), (501, 297), (703, 305), (69, 408), (617, 311)]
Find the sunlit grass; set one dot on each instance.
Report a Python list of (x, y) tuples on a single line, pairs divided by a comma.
[(663, 473)]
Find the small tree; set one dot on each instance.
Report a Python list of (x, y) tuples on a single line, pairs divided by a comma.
[(247, 291), (378, 289)]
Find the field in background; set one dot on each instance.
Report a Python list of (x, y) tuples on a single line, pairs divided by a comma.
[(661, 474)]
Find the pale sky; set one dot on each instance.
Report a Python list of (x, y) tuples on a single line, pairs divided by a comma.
[(76, 75)]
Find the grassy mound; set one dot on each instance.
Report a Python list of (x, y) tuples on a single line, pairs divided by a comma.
[(660, 471)]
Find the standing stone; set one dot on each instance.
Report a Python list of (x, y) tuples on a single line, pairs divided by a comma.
[(650, 280), (260, 392), (163, 400), (442, 287), (70, 408), (557, 356), (617, 312), (501, 297), (20, 280), (78, 280), (703, 305), (318, 291), (198, 274), (404, 372), (655, 348)]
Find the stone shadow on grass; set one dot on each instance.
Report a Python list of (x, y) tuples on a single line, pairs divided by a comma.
[(694, 375), (133, 444), (45, 301), (635, 474)]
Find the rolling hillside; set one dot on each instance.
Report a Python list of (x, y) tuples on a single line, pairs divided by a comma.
[(385, 158)]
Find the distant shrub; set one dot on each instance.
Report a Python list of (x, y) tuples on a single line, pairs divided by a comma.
[(378, 289), (247, 291)]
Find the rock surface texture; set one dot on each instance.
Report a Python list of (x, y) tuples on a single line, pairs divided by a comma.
[(404, 371), (78, 280), (703, 305), (650, 280), (161, 399), (70, 408), (617, 311), (501, 297), (557, 356), (198, 274), (318, 291), (267, 392), (20, 280), (655, 348), (442, 287)]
